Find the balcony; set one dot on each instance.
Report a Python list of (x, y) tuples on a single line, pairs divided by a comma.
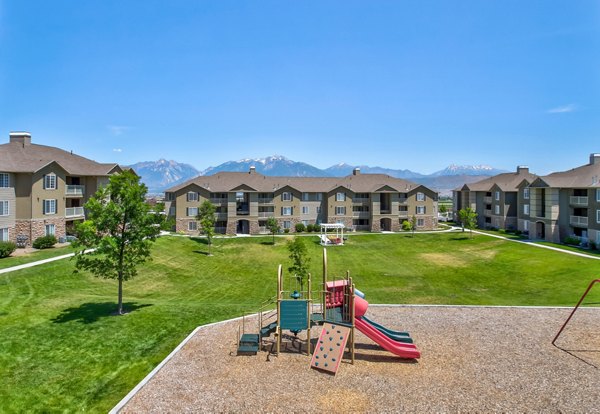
[(72, 212), (403, 200), (361, 214), (75, 190), (578, 221), (266, 214), (218, 200), (487, 199), (265, 201), (579, 201), (385, 210)]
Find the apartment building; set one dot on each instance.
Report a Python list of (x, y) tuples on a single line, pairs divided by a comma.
[(495, 199), (245, 201), (565, 204), (43, 189)]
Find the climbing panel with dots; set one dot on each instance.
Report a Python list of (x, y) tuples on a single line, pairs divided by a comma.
[(330, 346)]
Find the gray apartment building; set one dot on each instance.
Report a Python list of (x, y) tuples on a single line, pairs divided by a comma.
[(43, 189), (552, 207), (244, 202)]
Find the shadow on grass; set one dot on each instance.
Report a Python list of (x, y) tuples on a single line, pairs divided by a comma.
[(205, 253), (198, 240), (459, 238), (268, 243), (92, 312)]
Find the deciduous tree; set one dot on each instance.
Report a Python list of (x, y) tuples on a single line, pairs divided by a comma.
[(206, 217), (300, 260)]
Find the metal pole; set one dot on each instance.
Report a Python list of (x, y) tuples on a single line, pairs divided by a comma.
[(308, 310), (574, 310), (279, 289)]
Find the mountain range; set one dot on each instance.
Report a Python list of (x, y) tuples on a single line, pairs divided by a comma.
[(162, 174)]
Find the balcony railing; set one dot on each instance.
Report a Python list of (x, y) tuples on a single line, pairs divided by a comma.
[(579, 201), (74, 212), (385, 211), (403, 200), (75, 190), (263, 214), (265, 201), (578, 221), (218, 200), (361, 214), (221, 230), (487, 199)]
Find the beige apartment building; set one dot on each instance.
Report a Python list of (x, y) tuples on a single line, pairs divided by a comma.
[(494, 199), (43, 189), (244, 201)]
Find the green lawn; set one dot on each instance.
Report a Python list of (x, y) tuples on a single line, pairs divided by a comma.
[(60, 350), (34, 256)]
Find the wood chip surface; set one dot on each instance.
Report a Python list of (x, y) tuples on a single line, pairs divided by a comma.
[(473, 360)]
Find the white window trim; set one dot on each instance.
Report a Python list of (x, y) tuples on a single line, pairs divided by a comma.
[(192, 196), (192, 224), (420, 196), (496, 209), (49, 202), (50, 226), (5, 234), (526, 193), (526, 209), (340, 210), (4, 180), (305, 210), (598, 195), (421, 210), (597, 216), (287, 211), (497, 195), (287, 224), (5, 211), (420, 222), (287, 196), (53, 181), (340, 196), (188, 209)]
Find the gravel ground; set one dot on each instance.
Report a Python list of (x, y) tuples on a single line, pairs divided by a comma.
[(473, 360)]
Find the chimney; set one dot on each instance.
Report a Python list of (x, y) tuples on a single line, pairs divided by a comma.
[(252, 170), (594, 158), (522, 169), (356, 171), (23, 138)]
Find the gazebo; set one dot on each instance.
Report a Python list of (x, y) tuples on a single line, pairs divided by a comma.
[(331, 240)]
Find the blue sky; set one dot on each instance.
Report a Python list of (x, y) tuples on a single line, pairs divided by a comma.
[(399, 84)]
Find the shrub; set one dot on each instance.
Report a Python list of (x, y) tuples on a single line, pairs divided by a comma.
[(406, 226), (44, 242), (310, 228), (574, 241), (518, 232), (286, 230), (592, 245), (6, 248), (300, 227), (502, 231)]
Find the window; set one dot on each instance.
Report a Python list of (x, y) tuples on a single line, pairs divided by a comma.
[(319, 196), (305, 196), (192, 226), (50, 182), (305, 222), (318, 210), (49, 206), (287, 224), (420, 197), (497, 195), (305, 210), (4, 234), (526, 193), (4, 208), (597, 216), (525, 225), (598, 195), (50, 229), (286, 211), (526, 209), (340, 211), (192, 196), (420, 222), (420, 209), (496, 209), (340, 197), (287, 196), (191, 211), (3, 180)]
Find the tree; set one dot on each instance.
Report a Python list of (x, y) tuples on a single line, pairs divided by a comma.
[(413, 224), (119, 228), (206, 217), (468, 218), (273, 227), (161, 218), (300, 260), (443, 208)]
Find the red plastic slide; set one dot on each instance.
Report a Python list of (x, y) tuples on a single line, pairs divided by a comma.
[(401, 349)]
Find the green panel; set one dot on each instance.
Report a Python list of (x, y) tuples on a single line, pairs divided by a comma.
[(294, 315)]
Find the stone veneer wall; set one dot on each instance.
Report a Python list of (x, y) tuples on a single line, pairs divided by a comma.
[(37, 228), (181, 226)]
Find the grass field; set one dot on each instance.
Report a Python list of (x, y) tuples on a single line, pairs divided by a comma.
[(34, 256), (61, 350)]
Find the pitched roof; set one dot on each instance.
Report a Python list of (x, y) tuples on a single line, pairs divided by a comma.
[(505, 181), (360, 183), (18, 158), (584, 176)]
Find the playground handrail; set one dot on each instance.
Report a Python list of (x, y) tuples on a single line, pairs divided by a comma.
[(575, 309)]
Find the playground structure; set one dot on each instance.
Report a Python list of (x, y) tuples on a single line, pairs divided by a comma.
[(331, 240), (575, 309), (341, 309)]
